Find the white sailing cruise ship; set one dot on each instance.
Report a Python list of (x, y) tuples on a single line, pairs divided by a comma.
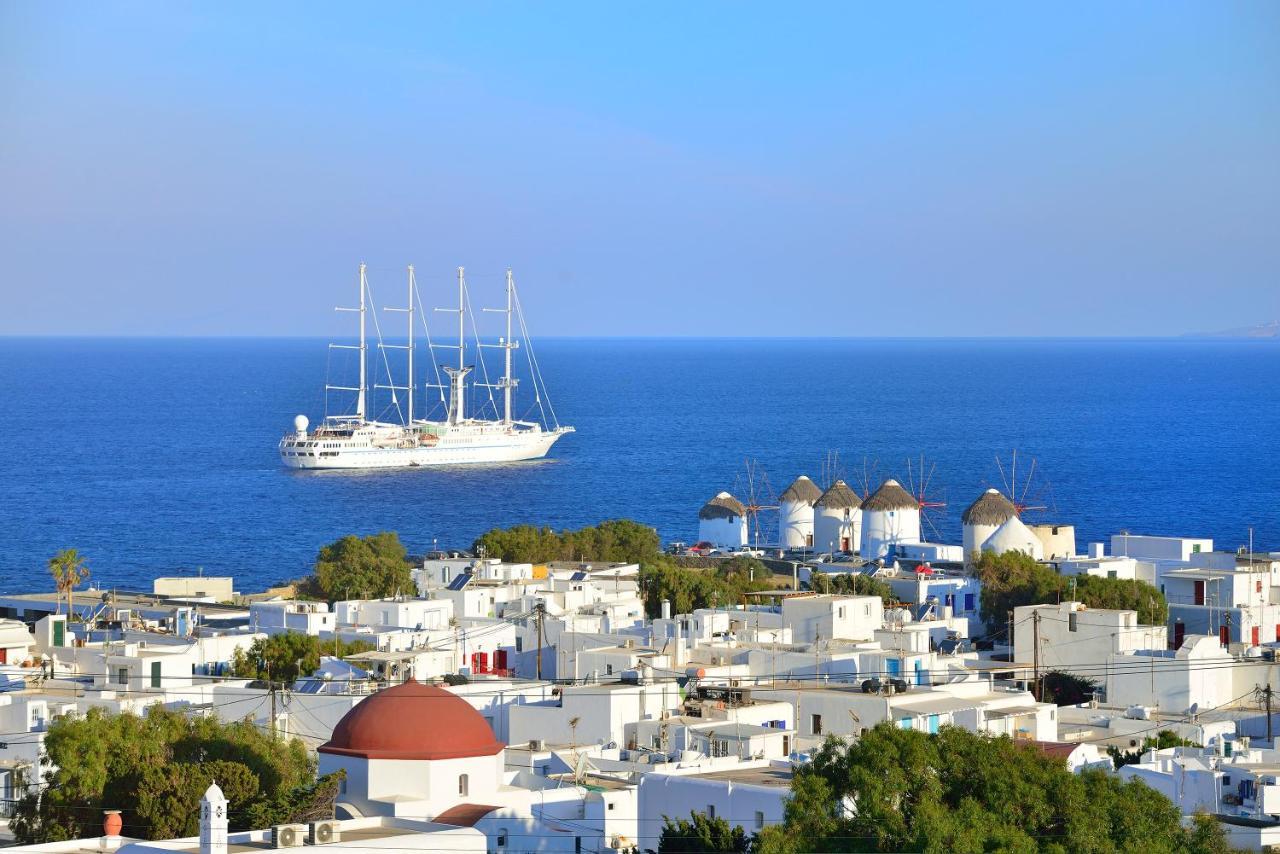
[(355, 441)]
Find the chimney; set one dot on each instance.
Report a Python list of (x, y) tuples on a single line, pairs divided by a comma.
[(678, 647), (1097, 550), (666, 609), (213, 821), (111, 826)]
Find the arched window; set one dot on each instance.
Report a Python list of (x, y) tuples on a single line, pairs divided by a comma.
[(462, 785)]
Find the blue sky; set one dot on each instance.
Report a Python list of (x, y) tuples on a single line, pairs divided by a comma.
[(646, 169)]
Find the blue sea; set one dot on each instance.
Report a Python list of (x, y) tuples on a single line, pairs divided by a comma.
[(158, 456)]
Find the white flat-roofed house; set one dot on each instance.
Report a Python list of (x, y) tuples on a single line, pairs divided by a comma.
[(1077, 639), (287, 615), (1237, 605), (826, 617), (16, 642), (751, 796), (420, 614), (1163, 549), (1107, 566), (600, 713), (1200, 674), (846, 710), (205, 588)]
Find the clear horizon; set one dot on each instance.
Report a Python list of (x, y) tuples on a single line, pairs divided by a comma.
[(721, 170)]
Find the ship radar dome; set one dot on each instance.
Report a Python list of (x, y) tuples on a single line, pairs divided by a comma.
[(300, 423), (723, 506)]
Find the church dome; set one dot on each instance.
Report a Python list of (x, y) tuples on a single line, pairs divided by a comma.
[(413, 721)]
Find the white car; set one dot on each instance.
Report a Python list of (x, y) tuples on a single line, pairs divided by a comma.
[(747, 552)]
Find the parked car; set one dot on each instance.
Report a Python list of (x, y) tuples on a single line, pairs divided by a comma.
[(747, 551), (702, 548)]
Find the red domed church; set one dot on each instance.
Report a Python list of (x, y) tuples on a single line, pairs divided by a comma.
[(414, 751)]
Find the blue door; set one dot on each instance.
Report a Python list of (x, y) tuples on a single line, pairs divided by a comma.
[(894, 666), (922, 675), (933, 724), (968, 602)]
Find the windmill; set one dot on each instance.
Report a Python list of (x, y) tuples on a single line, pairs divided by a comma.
[(759, 498), (919, 483), (870, 477), (831, 470), (1027, 494)]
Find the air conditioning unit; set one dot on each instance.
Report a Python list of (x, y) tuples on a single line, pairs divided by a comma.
[(288, 835), (535, 744), (324, 832)]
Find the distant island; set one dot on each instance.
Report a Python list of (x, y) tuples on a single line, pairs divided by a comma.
[(1261, 330)]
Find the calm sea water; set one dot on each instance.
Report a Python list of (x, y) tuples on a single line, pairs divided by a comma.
[(158, 456)]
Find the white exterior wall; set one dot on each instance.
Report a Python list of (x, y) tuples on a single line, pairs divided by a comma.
[(1200, 674), (795, 524), (731, 532), (1159, 548), (973, 536), (884, 529), (1098, 634), (662, 795), (828, 617), (832, 526), (415, 788)]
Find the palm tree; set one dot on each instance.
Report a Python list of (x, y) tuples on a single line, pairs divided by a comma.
[(68, 570)]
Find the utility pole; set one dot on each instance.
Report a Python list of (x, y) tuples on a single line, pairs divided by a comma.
[(1035, 645), (271, 689), (539, 610), (1266, 696)]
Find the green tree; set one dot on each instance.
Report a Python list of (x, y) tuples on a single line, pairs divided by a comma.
[(703, 835), (905, 790), (370, 567), (153, 767), (285, 657), (1013, 579), (1162, 740), (68, 569), (613, 541), (687, 589), (1066, 689)]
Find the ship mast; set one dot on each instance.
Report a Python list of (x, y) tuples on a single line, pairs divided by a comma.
[(363, 348), (457, 376), (507, 383), (359, 389), (506, 376), (409, 376)]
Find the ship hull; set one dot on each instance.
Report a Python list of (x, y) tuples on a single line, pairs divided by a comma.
[(498, 449)]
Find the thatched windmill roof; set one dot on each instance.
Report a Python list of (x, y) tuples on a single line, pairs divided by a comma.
[(890, 496), (838, 497), (723, 506), (991, 508), (802, 490)]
